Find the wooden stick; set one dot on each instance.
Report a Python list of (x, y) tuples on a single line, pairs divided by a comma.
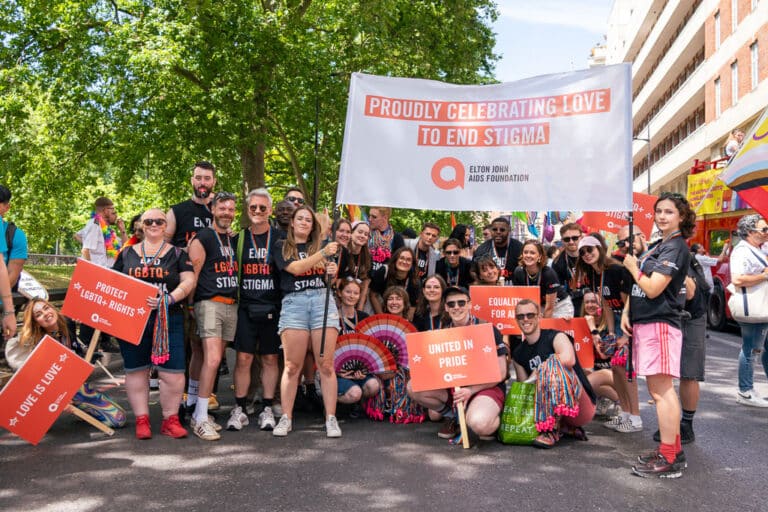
[(90, 419), (462, 423), (92, 346), (101, 365)]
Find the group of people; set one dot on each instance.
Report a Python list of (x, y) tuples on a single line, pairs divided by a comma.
[(282, 289)]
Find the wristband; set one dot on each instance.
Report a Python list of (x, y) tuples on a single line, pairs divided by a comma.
[(639, 275), (171, 300)]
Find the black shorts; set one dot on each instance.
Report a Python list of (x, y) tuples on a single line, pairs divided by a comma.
[(257, 331)]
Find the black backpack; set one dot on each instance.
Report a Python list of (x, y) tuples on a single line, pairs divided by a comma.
[(698, 274)]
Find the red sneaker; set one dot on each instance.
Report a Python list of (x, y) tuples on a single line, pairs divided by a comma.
[(143, 430), (172, 427)]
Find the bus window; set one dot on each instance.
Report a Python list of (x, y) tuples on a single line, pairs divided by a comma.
[(717, 238)]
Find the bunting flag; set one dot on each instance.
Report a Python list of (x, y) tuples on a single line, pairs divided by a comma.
[(453, 221), (747, 172), (355, 213)]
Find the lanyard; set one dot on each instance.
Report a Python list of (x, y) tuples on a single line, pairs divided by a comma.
[(144, 255), (228, 252), (256, 246)]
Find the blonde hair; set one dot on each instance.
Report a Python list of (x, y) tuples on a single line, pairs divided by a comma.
[(31, 331)]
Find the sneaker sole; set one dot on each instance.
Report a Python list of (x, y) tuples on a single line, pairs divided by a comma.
[(280, 434), (267, 428), (333, 436), (629, 431), (669, 474), (749, 403), (169, 434)]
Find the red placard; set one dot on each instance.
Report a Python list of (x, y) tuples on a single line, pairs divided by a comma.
[(613, 221), (108, 300), (459, 356), (582, 339), (496, 304), (41, 389)]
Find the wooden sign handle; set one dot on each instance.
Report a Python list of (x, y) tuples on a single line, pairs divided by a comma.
[(463, 423), (92, 345), (90, 419)]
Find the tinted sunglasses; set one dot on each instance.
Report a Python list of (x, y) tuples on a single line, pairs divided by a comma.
[(567, 239), (525, 316), (351, 279), (157, 222), (258, 208), (584, 250), (294, 199), (451, 253), (456, 303)]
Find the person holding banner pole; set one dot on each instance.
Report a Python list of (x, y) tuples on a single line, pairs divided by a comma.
[(212, 253), (304, 265), (653, 315), (157, 262), (483, 402)]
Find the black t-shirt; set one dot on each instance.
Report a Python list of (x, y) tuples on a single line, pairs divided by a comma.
[(218, 276), (379, 284), (348, 324), (615, 279), (459, 276), (498, 340), (350, 266), (163, 272), (697, 306), (671, 258), (531, 357), (546, 280), (259, 277), (191, 217), (425, 323), (565, 268), (313, 279), (507, 258)]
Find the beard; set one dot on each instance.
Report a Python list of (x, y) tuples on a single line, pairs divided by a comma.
[(202, 192)]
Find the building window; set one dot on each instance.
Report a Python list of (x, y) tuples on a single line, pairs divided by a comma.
[(718, 109), (734, 15), (734, 82), (754, 70), (717, 30)]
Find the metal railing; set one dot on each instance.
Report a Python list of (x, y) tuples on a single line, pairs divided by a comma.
[(51, 259)]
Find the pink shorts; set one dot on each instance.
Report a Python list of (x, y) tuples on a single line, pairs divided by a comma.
[(586, 412), (657, 349)]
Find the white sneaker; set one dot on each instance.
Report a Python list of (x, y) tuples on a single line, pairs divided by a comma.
[(205, 430), (751, 398), (237, 419), (627, 426), (267, 419), (216, 426), (332, 428), (613, 422), (284, 426)]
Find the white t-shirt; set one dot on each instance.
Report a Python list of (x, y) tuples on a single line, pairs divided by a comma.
[(93, 240), (707, 262), (744, 260)]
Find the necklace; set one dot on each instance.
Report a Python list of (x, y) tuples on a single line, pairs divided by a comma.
[(228, 253), (144, 255), (529, 277)]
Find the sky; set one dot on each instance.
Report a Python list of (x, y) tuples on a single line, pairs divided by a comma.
[(538, 37)]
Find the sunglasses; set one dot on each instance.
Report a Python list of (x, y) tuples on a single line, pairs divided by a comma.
[(496, 230), (258, 208), (354, 279), (451, 253), (294, 199), (456, 303), (762, 230), (584, 250), (525, 316), (157, 222), (567, 239)]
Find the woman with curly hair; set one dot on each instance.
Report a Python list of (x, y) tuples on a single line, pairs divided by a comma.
[(400, 271)]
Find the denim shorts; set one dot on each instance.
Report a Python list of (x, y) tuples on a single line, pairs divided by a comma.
[(345, 385), (304, 310), (137, 357)]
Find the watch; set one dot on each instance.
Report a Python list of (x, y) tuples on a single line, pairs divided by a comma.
[(595, 331)]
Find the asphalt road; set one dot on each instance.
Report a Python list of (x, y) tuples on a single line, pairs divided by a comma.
[(379, 466)]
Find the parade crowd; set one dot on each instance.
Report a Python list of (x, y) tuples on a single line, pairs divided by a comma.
[(281, 291)]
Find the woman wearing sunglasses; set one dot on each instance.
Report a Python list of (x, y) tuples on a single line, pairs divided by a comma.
[(533, 271), (454, 268), (355, 260), (599, 273), (161, 264), (653, 316)]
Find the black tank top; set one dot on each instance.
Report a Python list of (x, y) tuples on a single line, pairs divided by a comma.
[(191, 217), (218, 276)]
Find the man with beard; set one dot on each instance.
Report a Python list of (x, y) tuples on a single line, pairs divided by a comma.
[(504, 250), (101, 242), (283, 213), (213, 259), (187, 218)]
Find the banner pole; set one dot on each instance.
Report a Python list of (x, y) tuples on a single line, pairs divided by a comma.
[(92, 345), (462, 423), (328, 286), (630, 250), (90, 419)]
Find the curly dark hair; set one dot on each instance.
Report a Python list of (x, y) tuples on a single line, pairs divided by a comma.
[(687, 215)]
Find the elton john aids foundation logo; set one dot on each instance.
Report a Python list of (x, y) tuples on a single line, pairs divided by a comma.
[(448, 173)]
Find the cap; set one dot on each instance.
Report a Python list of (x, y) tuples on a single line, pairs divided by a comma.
[(451, 290), (589, 241)]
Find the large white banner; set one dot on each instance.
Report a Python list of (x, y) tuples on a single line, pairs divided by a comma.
[(553, 142)]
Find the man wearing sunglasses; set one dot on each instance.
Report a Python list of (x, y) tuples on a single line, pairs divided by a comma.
[(258, 312), (424, 249), (188, 217), (504, 250), (538, 346), (295, 196), (483, 402), (565, 263)]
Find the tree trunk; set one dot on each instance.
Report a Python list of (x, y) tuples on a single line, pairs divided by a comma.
[(252, 161)]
